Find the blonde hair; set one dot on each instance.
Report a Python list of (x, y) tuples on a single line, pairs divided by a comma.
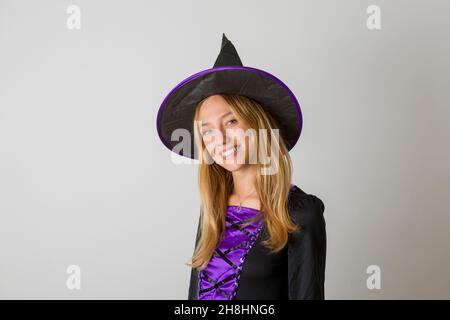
[(216, 184)]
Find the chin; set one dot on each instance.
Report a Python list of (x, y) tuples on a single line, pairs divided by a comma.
[(232, 167)]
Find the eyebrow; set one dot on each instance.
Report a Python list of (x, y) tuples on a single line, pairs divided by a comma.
[(224, 115)]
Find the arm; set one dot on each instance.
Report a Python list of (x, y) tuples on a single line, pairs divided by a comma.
[(307, 250)]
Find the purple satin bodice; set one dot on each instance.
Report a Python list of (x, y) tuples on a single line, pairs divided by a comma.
[(220, 279)]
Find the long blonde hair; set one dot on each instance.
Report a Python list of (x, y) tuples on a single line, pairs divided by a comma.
[(216, 184)]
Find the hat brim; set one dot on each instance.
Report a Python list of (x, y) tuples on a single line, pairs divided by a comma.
[(178, 108)]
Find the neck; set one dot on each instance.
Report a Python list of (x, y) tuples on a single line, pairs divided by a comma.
[(244, 180)]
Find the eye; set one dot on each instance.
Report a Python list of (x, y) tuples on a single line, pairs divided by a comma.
[(233, 121), (206, 132)]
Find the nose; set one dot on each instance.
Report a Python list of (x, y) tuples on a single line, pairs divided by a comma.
[(226, 139)]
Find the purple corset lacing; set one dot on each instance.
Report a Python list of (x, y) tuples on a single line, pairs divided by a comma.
[(220, 279)]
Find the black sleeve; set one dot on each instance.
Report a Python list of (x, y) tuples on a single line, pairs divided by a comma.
[(193, 283), (307, 250)]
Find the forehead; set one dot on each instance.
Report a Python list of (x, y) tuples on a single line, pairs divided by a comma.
[(212, 108)]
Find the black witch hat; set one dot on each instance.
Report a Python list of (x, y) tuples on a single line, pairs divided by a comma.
[(228, 75)]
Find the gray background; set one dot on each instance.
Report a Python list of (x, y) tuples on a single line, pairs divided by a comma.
[(84, 179)]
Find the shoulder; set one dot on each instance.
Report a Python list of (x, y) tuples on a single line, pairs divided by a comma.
[(305, 209)]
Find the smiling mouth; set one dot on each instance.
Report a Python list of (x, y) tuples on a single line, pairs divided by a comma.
[(230, 151)]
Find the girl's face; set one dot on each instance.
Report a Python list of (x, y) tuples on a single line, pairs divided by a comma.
[(223, 133)]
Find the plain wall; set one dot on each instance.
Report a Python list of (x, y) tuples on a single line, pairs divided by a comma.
[(85, 180)]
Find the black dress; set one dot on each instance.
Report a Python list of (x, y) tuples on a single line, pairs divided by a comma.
[(297, 272)]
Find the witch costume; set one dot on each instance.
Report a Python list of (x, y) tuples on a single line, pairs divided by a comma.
[(242, 268)]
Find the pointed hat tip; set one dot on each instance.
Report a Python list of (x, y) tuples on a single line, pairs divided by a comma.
[(224, 40), (228, 55)]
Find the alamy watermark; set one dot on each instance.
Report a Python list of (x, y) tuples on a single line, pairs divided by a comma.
[(236, 146)]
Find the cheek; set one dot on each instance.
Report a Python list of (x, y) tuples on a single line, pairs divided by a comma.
[(245, 138), (238, 135), (209, 145)]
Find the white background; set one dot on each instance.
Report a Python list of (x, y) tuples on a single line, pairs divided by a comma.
[(85, 180)]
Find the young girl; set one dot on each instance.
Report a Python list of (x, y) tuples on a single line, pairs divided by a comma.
[(259, 236)]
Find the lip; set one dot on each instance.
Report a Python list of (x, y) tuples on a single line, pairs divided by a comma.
[(230, 151)]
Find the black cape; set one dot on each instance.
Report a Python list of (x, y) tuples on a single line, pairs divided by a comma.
[(297, 272)]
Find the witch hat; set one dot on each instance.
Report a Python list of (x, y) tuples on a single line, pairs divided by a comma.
[(228, 75)]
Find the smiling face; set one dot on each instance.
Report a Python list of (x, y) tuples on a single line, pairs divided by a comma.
[(223, 133)]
